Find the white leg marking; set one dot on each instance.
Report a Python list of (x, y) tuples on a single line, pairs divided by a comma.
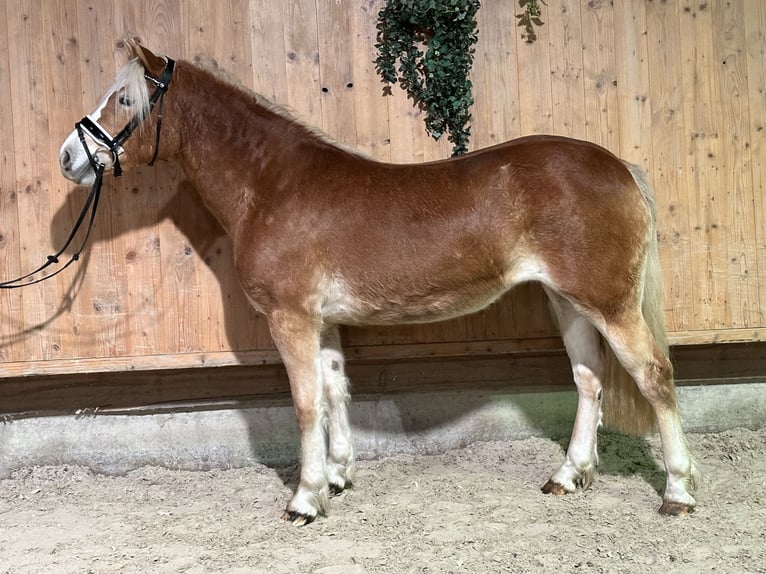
[(580, 463), (298, 341), (311, 496), (583, 345), (340, 459), (682, 474), (640, 361)]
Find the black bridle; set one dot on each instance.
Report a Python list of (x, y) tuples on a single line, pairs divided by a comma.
[(114, 147)]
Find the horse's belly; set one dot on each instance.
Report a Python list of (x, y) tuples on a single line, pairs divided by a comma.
[(396, 307)]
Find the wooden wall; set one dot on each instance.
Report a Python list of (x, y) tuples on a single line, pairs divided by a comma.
[(677, 86)]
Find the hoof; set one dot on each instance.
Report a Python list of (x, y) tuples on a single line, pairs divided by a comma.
[(669, 508), (297, 518), (553, 488), (336, 489)]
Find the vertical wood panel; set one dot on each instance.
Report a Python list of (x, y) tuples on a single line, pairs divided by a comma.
[(33, 176), (694, 89), (105, 317), (632, 82), (370, 109), (534, 81), (724, 295), (270, 25), (600, 74), (61, 30), (336, 70), (567, 87), (754, 16), (10, 232), (665, 67), (495, 113), (739, 220)]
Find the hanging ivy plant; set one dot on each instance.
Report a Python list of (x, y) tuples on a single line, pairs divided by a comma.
[(433, 43), (530, 18)]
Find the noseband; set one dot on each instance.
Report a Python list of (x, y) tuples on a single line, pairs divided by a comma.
[(114, 147)]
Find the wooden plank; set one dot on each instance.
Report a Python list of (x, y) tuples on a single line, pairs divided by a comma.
[(117, 307), (567, 82), (137, 232), (33, 174), (738, 214), (755, 54), (665, 71), (181, 389), (233, 386), (336, 71), (495, 114), (702, 336), (402, 348), (11, 302), (721, 259), (199, 246), (270, 23), (59, 20), (600, 74), (529, 346), (741, 306), (534, 82), (102, 315), (370, 106), (632, 82), (705, 219)]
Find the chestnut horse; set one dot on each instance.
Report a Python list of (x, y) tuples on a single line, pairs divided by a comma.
[(323, 236)]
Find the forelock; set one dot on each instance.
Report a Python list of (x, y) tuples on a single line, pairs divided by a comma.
[(131, 82)]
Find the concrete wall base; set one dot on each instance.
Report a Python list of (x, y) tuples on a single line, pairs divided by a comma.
[(266, 432)]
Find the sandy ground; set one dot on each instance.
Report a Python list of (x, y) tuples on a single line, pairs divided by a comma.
[(478, 509)]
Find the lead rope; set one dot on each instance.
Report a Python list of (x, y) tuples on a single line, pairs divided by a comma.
[(91, 203)]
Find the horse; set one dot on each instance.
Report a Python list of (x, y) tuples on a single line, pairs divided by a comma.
[(324, 236)]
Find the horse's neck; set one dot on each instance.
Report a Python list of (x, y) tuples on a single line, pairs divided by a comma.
[(228, 142)]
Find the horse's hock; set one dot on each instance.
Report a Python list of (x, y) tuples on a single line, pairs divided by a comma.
[(147, 352)]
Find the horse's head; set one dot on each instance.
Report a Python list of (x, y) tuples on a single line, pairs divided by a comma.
[(121, 130)]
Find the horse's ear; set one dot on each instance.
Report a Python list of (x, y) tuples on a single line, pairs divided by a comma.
[(152, 63)]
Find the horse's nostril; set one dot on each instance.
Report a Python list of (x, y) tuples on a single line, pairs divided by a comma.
[(66, 160)]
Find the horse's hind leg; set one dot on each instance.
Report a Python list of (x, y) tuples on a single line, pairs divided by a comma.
[(340, 455), (583, 345), (298, 339), (635, 347)]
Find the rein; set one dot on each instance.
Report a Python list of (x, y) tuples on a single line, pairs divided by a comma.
[(114, 147)]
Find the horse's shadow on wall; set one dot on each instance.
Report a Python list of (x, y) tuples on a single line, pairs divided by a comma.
[(179, 203)]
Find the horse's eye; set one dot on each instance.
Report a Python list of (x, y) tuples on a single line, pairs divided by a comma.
[(125, 100)]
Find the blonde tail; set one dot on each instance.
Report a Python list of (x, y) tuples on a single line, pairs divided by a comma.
[(625, 408)]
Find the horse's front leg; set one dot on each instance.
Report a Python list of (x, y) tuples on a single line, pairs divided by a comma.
[(298, 339), (340, 459)]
